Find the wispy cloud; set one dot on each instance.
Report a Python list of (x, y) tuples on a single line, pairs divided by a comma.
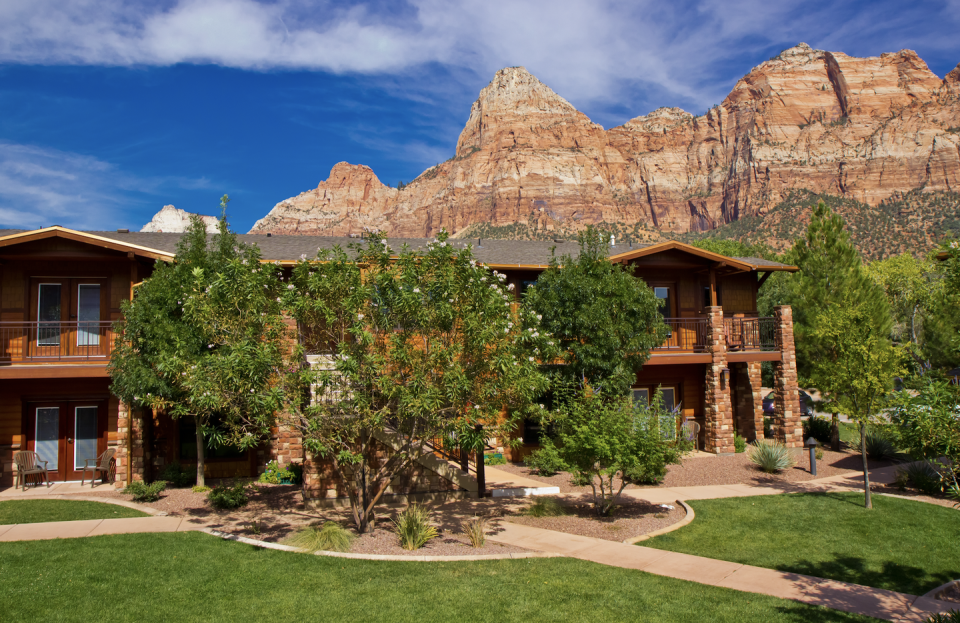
[(41, 187), (588, 50)]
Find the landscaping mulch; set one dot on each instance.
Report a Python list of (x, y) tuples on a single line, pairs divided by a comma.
[(383, 541), (722, 470), (627, 521)]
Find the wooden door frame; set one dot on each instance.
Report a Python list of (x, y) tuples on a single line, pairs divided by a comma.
[(65, 450)]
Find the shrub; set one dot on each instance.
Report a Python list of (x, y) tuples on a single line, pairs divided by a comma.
[(142, 492), (944, 617), (494, 459), (818, 453), (476, 530), (954, 494), (178, 477), (274, 474), (546, 461), (412, 527), (901, 480), (772, 457), (544, 507), (924, 477), (226, 497), (820, 428), (767, 427), (739, 444), (879, 448), (330, 537), (200, 488)]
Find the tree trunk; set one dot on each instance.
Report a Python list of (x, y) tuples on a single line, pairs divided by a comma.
[(835, 434), (866, 476), (201, 481)]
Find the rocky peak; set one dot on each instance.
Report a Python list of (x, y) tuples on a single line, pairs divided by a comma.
[(660, 119), (173, 220)]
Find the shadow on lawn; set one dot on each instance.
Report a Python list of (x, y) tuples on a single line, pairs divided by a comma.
[(891, 576)]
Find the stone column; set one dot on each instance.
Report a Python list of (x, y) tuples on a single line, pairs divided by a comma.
[(718, 426), (749, 400), (787, 428), (130, 449)]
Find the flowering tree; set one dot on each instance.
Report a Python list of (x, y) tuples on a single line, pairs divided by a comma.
[(203, 338), (418, 347), (929, 427)]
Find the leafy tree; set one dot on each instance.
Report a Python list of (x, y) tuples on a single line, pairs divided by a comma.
[(610, 442), (913, 288), (418, 347), (605, 319), (855, 368), (929, 427), (204, 338), (941, 329)]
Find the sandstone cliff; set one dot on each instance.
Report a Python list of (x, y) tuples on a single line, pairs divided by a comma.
[(174, 220), (861, 128)]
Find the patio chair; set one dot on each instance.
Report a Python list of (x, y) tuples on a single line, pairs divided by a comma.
[(691, 432), (28, 464), (103, 463)]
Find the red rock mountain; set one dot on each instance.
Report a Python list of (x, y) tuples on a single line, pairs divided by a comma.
[(861, 128)]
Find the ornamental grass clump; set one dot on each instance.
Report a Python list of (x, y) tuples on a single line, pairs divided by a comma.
[(773, 457), (329, 537), (476, 530), (412, 527), (879, 448), (544, 507)]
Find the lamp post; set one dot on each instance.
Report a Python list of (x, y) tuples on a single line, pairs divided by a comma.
[(811, 443)]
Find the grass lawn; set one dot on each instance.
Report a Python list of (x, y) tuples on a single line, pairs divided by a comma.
[(900, 545), (197, 577), (37, 511)]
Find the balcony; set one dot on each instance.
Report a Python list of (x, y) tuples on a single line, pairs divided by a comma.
[(691, 335), (55, 342)]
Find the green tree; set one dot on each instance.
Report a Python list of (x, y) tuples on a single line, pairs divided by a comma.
[(913, 288), (605, 319), (928, 425), (204, 338), (855, 368), (610, 442), (418, 347), (941, 328)]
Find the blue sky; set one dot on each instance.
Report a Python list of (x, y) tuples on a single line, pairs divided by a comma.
[(110, 109)]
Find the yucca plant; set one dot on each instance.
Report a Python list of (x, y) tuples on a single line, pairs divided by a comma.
[(879, 448), (330, 537), (954, 494), (412, 527), (924, 477), (476, 530), (772, 457), (544, 507), (945, 617)]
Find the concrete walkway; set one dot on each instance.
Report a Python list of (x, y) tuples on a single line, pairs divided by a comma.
[(94, 527)]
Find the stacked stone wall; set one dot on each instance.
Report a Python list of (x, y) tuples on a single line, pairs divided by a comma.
[(718, 410), (787, 427)]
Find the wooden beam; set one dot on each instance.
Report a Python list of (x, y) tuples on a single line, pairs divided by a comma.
[(713, 287), (768, 355), (763, 279), (40, 371), (664, 359)]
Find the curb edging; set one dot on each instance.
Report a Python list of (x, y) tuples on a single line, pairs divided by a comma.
[(686, 520)]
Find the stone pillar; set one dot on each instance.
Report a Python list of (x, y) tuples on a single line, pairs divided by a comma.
[(749, 400), (787, 428), (718, 425), (130, 449), (286, 446)]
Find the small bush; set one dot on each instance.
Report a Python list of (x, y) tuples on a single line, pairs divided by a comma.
[(820, 428), (772, 458), (739, 444), (200, 488), (767, 427), (476, 530), (178, 477), (226, 497), (142, 492), (901, 480), (412, 527), (924, 477), (494, 460), (879, 448), (330, 537), (954, 494), (274, 474), (544, 507), (818, 453), (946, 617), (546, 461)]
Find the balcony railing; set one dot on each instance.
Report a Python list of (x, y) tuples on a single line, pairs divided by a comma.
[(38, 342), (750, 334), (691, 335)]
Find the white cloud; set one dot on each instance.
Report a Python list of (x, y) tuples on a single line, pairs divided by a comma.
[(40, 187), (588, 50)]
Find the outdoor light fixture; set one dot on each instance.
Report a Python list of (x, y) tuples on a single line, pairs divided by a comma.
[(726, 376), (812, 444)]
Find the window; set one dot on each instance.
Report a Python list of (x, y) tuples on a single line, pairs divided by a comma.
[(88, 314), (643, 395), (666, 306), (526, 284), (48, 315)]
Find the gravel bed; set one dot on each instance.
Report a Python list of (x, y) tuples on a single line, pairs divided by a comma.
[(628, 520), (383, 541), (723, 470)]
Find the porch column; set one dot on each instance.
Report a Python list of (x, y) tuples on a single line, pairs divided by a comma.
[(718, 428), (787, 428), (131, 462), (749, 400)]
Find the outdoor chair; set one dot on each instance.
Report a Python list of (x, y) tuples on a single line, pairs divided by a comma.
[(691, 432), (104, 463), (28, 464)]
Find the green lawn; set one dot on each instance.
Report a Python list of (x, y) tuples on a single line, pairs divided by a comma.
[(901, 545), (197, 577), (37, 511)]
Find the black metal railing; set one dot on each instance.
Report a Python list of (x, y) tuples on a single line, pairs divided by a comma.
[(686, 335), (78, 340), (750, 334)]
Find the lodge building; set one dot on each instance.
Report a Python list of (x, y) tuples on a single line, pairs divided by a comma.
[(61, 290)]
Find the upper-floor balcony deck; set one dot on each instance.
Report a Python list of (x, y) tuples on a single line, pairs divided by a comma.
[(85, 342), (747, 339)]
